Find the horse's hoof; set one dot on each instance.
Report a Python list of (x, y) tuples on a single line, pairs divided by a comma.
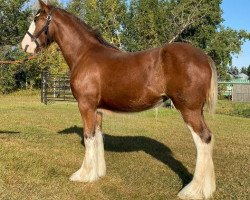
[(76, 177), (182, 195), (80, 176), (191, 191)]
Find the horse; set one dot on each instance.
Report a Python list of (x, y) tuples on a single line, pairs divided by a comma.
[(104, 77)]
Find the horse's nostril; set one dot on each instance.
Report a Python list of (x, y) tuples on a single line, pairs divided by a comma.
[(26, 47)]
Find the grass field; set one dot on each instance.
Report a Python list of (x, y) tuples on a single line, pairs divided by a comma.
[(147, 157)]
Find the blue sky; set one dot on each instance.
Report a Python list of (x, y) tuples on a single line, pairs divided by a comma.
[(237, 16)]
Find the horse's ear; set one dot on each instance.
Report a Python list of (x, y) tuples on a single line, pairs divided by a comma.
[(43, 6)]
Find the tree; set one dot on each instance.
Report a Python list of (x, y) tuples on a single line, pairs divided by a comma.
[(243, 70), (105, 16), (233, 71), (143, 25), (13, 15), (77, 7), (155, 22), (248, 72), (13, 24), (8, 72), (222, 46)]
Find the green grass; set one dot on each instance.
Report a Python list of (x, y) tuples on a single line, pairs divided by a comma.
[(233, 108), (147, 158)]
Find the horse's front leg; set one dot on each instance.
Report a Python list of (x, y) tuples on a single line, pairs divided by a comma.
[(89, 169), (100, 145)]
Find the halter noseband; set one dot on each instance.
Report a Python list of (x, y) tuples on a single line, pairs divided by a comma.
[(45, 29)]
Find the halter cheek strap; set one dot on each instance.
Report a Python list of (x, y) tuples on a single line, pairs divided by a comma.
[(33, 38)]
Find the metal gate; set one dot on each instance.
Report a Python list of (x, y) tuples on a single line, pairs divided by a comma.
[(55, 87)]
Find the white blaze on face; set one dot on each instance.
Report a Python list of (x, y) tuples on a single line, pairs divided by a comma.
[(27, 44)]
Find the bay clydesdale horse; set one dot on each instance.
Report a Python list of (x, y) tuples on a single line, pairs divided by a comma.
[(104, 77)]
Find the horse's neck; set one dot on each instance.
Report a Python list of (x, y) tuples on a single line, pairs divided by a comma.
[(74, 41)]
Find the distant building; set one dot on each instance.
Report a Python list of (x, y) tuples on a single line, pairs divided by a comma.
[(237, 89), (242, 76)]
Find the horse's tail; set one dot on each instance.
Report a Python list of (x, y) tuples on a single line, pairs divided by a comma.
[(212, 93)]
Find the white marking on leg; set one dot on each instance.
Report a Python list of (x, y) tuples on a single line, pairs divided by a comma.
[(100, 154), (88, 171), (203, 183), (27, 44)]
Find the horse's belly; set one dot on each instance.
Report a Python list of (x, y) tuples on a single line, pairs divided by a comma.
[(124, 104)]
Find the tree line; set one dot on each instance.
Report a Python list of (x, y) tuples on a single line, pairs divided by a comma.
[(234, 71), (131, 25)]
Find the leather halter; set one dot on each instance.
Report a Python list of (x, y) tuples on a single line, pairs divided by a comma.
[(45, 29)]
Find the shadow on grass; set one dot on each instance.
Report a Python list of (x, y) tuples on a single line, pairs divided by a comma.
[(8, 132), (140, 143)]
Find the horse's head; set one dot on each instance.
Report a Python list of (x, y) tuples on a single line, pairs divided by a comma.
[(40, 33)]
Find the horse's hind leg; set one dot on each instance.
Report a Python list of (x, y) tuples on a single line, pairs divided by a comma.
[(100, 145), (203, 183)]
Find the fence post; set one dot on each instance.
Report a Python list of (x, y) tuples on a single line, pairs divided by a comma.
[(42, 86), (46, 87), (54, 87), (64, 89), (59, 86)]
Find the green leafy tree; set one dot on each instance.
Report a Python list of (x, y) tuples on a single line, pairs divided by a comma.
[(248, 72), (106, 16), (155, 22), (77, 7), (13, 24), (233, 71), (143, 25), (13, 15), (9, 73), (7, 78), (243, 70)]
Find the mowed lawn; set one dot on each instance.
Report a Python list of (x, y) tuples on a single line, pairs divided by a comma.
[(147, 157)]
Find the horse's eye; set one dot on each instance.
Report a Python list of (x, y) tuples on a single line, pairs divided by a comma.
[(35, 19)]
